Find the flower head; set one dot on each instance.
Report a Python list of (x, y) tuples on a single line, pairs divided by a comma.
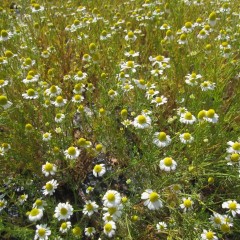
[(111, 198), (72, 153), (151, 199), (109, 228), (142, 121), (35, 214), (187, 204), (63, 211), (42, 232), (161, 139), (232, 206), (49, 169), (167, 164), (99, 170), (208, 235), (90, 207), (50, 187)]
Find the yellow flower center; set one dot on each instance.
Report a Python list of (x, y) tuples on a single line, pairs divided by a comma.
[(4, 33), (98, 168), (209, 235), (48, 167), (49, 186), (159, 58), (112, 210), (188, 116), (187, 136), (77, 97), (130, 34), (108, 227), (187, 203), (168, 161), (89, 207), (39, 202), (99, 147), (30, 92), (210, 113), (34, 212), (41, 232), (162, 136), (153, 196), (71, 151), (225, 228), (232, 206), (53, 89), (64, 225), (111, 197), (28, 61), (217, 220), (59, 99), (188, 24), (235, 157), (63, 211), (80, 73), (3, 100), (236, 146), (2, 82), (202, 114), (142, 119), (29, 77), (130, 64)]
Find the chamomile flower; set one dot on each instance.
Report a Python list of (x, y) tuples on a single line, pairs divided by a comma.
[(187, 204), (111, 198), (46, 136), (216, 219), (35, 214), (53, 91), (151, 93), (112, 94), (151, 199), (142, 122), (90, 208), (65, 226), (3, 204), (110, 228), (99, 170), (50, 187), (207, 85), (5, 35), (89, 231), (168, 164), (208, 235), (161, 226), (159, 101), (39, 203), (156, 72), (181, 111), (187, 118), (130, 37), (30, 79), (80, 76), (211, 116), (186, 138), (59, 117), (30, 94), (77, 98), (63, 211), (232, 206), (3, 83), (49, 169), (188, 27), (42, 232), (161, 139), (72, 153), (4, 102), (37, 8), (23, 198), (59, 101), (114, 212), (193, 79), (233, 158), (234, 147), (131, 53), (129, 65)]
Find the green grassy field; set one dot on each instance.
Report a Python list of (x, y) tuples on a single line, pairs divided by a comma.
[(120, 119)]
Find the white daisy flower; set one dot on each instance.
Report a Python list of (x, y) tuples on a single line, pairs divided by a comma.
[(90, 208), (216, 219), (3, 204), (142, 121), (39, 203), (233, 207), (63, 211), (111, 198), (187, 204), (30, 79), (46, 136), (207, 85), (35, 214), (211, 116), (5, 35), (161, 226), (37, 8), (161, 139), (30, 94), (65, 226), (130, 37), (208, 235), (89, 231), (159, 101), (192, 79), (72, 153), (23, 198), (129, 65), (99, 170), (233, 158), (77, 98), (59, 117), (3, 83), (167, 164), (109, 228), (80, 76), (53, 91), (59, 101), (187, 118), (4, 102), (186, 138), (50, 187), (114, 212), (151, 93), (49, 169), (42, 232), (234, 147), (151, 199)]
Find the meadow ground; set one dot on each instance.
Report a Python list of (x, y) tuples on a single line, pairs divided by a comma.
[(120, 119)]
